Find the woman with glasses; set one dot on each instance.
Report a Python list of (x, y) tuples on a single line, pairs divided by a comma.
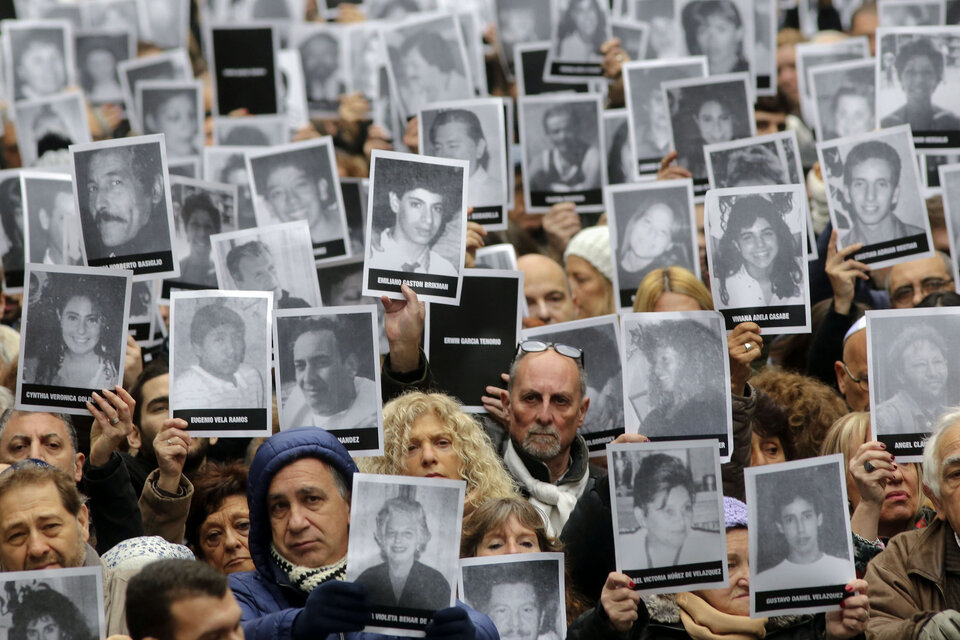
[(757, 263), (428, 435)]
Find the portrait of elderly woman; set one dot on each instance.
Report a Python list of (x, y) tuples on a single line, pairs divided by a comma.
[(682, 359), (76, 328), (46, 614), (918, 362), (715, 29), (401, 580), (758, 257), (664, 494), (920, 70)]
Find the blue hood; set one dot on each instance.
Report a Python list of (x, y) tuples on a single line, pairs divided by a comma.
[(276, 453)]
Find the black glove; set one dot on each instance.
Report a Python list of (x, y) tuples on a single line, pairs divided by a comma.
[(452, 623), (332, 607)]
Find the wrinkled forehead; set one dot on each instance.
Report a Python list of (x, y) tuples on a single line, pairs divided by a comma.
[(548, 372), (34, 425)]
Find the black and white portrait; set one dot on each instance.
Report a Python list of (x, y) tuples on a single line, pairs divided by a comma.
[(633, 36), (579, 29), (911, 13), (416, 226), (164, 23), (99, 51), (813, 54), (45, 10), (756, 251), (201, 209), (293, 89), (721, 30), (123, 194), (274, 258), (648, 111), (427, 62), (599, 339), (12, 223), (763, 160), (764, 60), (328, 373), (799, 535), (53, 604), (913, 375), (251, 131), (142, 320), (708, 111), (47, 126), (299, 181), (473, 131), (341, 285), (175, 109), (843, 93), (355, 192), (930, 163), (112, 14), (184, 167), (229, 166), (323, 55), (652, 226), (48, 201), (38, 56), (404, 539), (669, 515), (243, 64), (676, 376), (523, 593), (918, 83), (873, 192), (621, 163), (365, 58), (530, 63), (74, 332), (562, 159), (169, 65), (220, 361), (520, 22), (497, 256), (665, 31), (949, 186)]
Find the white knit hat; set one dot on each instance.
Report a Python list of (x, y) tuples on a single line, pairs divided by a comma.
[(593, 245)]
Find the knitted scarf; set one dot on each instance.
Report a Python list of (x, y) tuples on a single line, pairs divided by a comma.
[(703, 622), (308, 579)]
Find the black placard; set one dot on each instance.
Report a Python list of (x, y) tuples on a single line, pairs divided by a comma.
[(169, 285), (679, 575), (400, 617), (904, 444), (141, 263), (223, 419), (140, 330), (331, 249), (598, 440), (53, 396), (422, 283), (559, 69), (13, 279), (487, 215), (534, 61), (896, 248), (790, 599), (358, 439), (581, 197), (245, 71), (936, 139), (721, 439), (790, 315)]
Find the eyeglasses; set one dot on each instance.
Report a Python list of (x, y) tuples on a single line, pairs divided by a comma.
[(536, 346), (862, 381), (904, 295)]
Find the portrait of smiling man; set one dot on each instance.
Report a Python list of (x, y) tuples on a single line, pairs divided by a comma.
[(124, 203)]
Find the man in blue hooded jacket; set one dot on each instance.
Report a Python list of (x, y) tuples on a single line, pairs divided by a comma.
[(299, 498)]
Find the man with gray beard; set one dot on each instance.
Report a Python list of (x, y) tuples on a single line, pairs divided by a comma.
[(544, 406)]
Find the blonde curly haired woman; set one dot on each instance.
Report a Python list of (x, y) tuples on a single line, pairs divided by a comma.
[(429, 436)]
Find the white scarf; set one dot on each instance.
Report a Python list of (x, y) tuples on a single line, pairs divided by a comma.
[(555, 502)]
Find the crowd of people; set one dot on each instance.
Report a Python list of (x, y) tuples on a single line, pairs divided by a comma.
[(225, 538)]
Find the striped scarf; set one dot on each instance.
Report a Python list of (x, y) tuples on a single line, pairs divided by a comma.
[(307, 579)]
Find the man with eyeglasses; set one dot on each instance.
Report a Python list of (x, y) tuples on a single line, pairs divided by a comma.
[(544, 405), (908, 283), (852, 369)]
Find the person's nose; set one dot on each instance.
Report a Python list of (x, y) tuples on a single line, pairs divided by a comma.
[(544, 415), (542, 311), (428, 456), (917, 299), (37, 546), (231, 539), (871, 193), (513, 547), (297, 521)]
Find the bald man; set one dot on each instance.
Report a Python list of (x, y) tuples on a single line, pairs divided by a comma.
[(852, 370), (546, 290)]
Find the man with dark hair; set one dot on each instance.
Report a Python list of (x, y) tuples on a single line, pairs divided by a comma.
[(299, 497), (125, 200), (920, 71), (871, 183), (54, 208), (421, 207), (297, 186), (569, 163), (201, 219), (429, 71), (799, 518), (40, 66), (770, 113), (320, 54), (252, 268), (329, 392), (181, 600), (220, 378)]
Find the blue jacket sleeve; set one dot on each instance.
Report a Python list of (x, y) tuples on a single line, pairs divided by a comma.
[(258, 623)]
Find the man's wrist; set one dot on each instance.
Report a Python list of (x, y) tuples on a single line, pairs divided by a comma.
[(404, 357), (169, 483), (842, 306)]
